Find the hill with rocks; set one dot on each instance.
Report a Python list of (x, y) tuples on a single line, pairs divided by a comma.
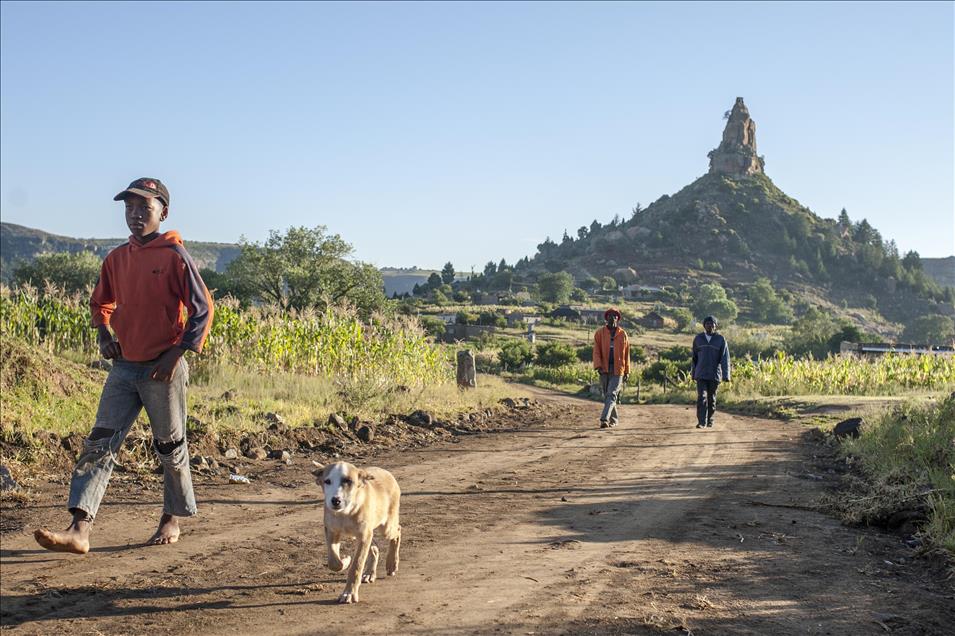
[(734, 225)]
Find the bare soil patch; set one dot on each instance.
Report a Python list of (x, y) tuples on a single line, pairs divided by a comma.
[(538, 523)]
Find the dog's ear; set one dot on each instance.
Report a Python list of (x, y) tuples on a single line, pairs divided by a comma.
[(319, 469), (364, 475)]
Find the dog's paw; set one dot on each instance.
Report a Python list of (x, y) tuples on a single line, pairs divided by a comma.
[(348, 597), (368, 578)]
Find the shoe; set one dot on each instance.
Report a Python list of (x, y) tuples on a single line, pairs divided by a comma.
[(603, 424), (709, 425), (701, 425), (612, 425)]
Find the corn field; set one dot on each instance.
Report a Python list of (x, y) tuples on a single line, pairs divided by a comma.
[(785, 375), (386, 350), (889, 374)]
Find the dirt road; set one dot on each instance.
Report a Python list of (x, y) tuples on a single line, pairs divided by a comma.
[(553, 528)]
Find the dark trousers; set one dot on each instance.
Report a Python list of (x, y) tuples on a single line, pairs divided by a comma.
[(706, 400)]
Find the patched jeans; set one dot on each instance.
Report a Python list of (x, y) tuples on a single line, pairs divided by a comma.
[(127, 391), (611, 385)]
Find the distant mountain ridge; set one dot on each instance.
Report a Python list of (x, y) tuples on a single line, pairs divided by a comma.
[(20, 243), (942, 270)]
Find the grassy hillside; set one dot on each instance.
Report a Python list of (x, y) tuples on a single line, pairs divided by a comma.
[(735, 230)]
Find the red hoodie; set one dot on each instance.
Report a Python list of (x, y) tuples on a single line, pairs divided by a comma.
[(140, 294)]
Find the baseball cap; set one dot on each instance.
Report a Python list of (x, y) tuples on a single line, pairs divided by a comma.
[(145, 187)]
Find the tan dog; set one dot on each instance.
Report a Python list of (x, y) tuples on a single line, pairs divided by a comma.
[(357, 502)]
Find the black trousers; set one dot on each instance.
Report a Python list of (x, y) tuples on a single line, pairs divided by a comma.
[(706, 400)]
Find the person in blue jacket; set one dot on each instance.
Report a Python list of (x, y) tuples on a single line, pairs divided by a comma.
[(711, 365)]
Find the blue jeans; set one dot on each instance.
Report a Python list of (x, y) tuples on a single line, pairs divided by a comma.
[(611, 387), (127, 391)]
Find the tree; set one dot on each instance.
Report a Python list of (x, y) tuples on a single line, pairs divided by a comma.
[(556, 288), (582, 232), (844, 222), (490, 269), (811, 334), (502, 280), (306, 268), (221, 284), (712, 300), (435, 281), (767, 305), (912, 261), (608, 283), (683, 318), (933, 329), (72, 273), (447, 273)]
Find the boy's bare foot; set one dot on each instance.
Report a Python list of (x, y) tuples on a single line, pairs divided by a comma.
[(75, 539), (168, 531)]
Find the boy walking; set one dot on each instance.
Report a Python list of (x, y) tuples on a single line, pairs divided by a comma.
[(711, 365), (612, 360), (143, 286)]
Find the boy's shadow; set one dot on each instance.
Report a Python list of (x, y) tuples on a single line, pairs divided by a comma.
[(89, 600)]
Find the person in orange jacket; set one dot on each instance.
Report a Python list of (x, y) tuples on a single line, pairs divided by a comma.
[(612, 361), (145, 287)]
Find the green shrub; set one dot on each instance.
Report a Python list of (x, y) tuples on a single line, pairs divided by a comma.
[(72, 273), (434, 327), (492, 319), (660, 371), (677, 353), (466, 318), (516, 354), (555, 354)]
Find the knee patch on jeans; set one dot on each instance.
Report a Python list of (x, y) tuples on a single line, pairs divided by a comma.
[(166, 448), (99, 433)]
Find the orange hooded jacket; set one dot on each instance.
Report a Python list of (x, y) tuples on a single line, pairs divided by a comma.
[(141, 292), (621, 351)]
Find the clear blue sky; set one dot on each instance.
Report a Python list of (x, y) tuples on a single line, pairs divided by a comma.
[(467, 132)]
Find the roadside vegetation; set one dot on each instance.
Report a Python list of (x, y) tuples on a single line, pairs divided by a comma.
[(906, 464)]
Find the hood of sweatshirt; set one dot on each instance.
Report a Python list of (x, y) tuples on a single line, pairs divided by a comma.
[(165, 239)]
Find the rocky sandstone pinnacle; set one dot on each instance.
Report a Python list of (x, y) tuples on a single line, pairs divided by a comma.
[(736, 155)]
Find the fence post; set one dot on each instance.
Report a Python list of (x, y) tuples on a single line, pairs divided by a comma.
[(466, 370)]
